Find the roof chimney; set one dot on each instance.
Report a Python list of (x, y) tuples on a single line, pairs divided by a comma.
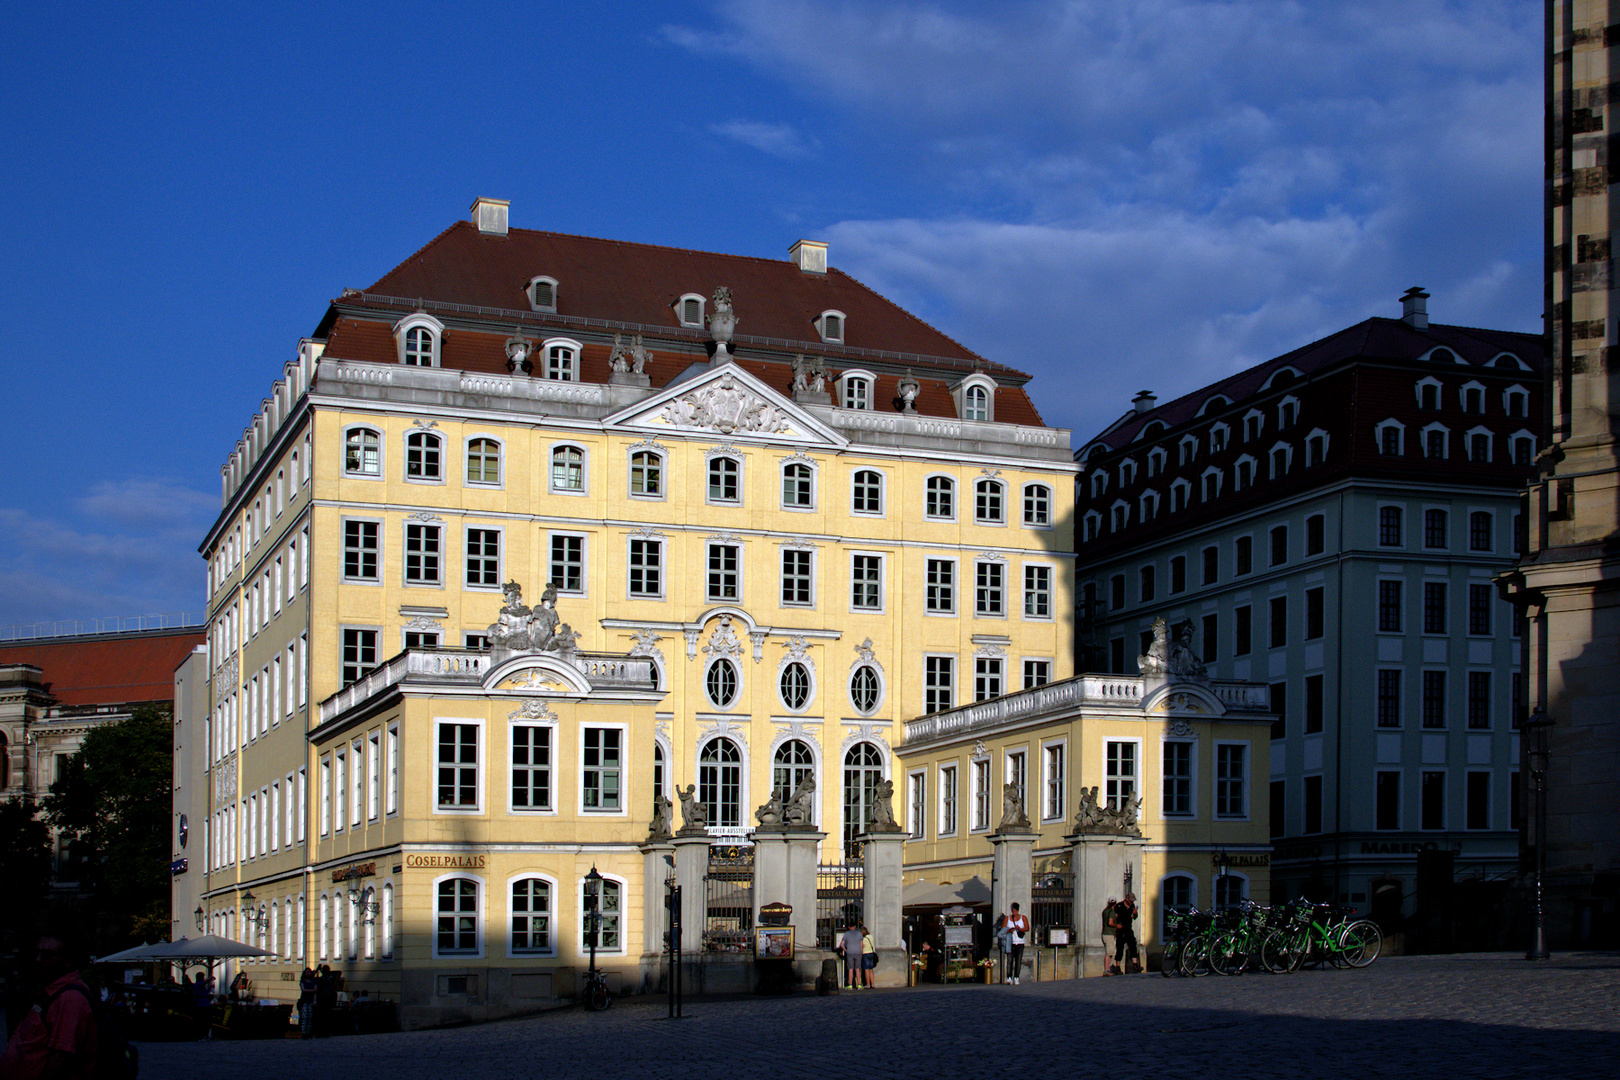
[(490, 216), (811, 255), (1415, 308), (1144, 401)]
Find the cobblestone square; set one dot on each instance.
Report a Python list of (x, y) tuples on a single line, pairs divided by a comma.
[(1486, 1015)]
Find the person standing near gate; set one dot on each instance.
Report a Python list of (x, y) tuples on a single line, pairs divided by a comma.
[(1124, 913), (850, 946), (1017, 928)]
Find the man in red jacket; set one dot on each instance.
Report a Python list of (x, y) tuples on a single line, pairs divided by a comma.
[(57, 1039)]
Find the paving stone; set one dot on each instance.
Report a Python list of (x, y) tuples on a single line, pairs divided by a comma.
[(1484, 1015)]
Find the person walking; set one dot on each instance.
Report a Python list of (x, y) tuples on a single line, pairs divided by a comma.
[(306, 1003), (868, 959), (1017, 928), (1126, 959), (57, 1036), (849, 946)]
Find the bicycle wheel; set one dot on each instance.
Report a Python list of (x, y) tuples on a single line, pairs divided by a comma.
[(1279, 952), (1171, 963), (1195, 957), (1361, 943), (597, 998), (1228, 954)]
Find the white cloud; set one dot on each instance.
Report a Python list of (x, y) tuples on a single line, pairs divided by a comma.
[(777, 140)]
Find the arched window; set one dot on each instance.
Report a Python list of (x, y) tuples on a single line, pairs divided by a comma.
[(531, 916), (865, 689), (863, 768), (456, 917), (362, 452), (867, 492), (940, 497), (419, 347), (562, 363), (989, 505), (567, 468), (798, 486), (646, 475), (1037, 505), (720, 782), (610, 906), (1230, 891), (795, 686), (422, 456), (724, 484), (976, 403), (483, 461), (857, 393), (791, 766), (1177, 892), (721, 683)]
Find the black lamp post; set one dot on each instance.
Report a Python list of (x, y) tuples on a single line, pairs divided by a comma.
[(593, 913), (1537, 733), (198, 914)]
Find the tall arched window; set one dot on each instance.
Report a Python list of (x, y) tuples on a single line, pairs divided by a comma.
[(792, 765), (419, 347), (976, 404), (720, 782), (456, 917), (531, 916), (388, 920), (362, 452), (567, 469), (863, 768), (483, 461), (422, 456), (647, 474)]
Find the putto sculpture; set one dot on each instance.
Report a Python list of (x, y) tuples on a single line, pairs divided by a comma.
[(1013, 818), (1117, 817), (1173, 657), (520, 628)]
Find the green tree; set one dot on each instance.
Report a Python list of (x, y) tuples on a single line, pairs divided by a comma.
[(25, 867), (112, 804)]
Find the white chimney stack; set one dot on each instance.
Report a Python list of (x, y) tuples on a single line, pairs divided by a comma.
[(811, 255), (1144, 401), (1415, 308), (490, 216)]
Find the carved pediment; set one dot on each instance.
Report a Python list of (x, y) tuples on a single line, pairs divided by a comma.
[(727, 401)]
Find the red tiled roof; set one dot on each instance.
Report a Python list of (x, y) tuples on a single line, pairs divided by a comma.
[(372, 341), (116, 669), (1375, 339), (640, 283)]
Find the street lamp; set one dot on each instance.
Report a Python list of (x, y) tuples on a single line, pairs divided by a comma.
[(593, 912), (198, 914), (1537, 751), (257, 917)]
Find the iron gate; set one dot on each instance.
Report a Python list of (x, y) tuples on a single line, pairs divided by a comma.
[(729, 889), (839, 892)]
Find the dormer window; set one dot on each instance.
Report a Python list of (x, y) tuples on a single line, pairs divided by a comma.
[(1253, 422), (975, 397), (561, 359), (1187, 450), (1473, 397), (830, 325), (1428, 392), (1156, 459), (856, 389), (1099, 484), (417, 337), (1516, 401), (542, 293), (1218, 434), (1287, 412), (1127, 472), (1443, 356), (689, 310)]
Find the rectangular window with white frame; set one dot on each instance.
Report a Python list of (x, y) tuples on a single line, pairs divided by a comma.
[(865, 582), (646, 568), (393, 769), (917, 803), (374, 776), (457, 753), (1018, 776), (990, 589), (1231, 780), (358, 789), (940, 586), (989, 681), (1037, 673), (1037, 592), (939, 683), (1178, 793), (340, 789), (1054, 801), (602, 769), (483, 558), (359, 652), (531, 767), (981, 794), (947, 800), (362, 549), (568, 562), (1121, 777), (724, 583), (798, 577)]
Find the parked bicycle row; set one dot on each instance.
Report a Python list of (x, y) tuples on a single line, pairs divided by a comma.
[(1278, 939)]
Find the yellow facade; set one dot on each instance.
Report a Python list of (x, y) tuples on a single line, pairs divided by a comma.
[(1128, 738), (339, 495)]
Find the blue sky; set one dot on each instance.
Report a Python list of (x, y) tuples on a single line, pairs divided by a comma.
[(1109, 196)]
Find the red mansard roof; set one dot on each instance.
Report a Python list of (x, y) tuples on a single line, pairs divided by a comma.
[(116, 669)]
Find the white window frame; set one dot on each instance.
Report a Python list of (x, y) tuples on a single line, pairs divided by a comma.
[(878, 678), (709, 463), (1054, 782), (1043, 496), (882, 492), (933, 483), (680, 309), (584, 539), (657, 543), (571, 368), (1049, 591), (362, 473), (955, 587), (980, 796), (932, 687), (830, 325), (990, 596), (1139, 779), (882, 583), (815, 485), (1192, 780), (846, 384), (551, 769), (917, 804), (1400, 436), (948, 800), (561, 445), (1425, 382), (500, 461), (466, 560), (435, 582), (660, 461), (533, 293), (405, 463), (623, 886), (420, 320), (1248, 788), (994, 492), (623, 809), (1519, 394), (1490, 443), (738, 575), (551, 915), (480, 916), (481, 766)]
